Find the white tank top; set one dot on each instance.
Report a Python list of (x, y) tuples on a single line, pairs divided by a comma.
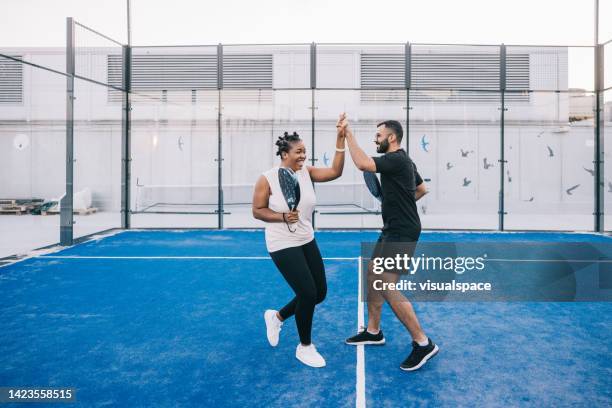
[(278, 235)]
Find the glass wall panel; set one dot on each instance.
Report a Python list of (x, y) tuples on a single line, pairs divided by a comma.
[(346, 202), (344, 66), (32, 156), (455, 143), (97, 57), (548, 68), (265, 94), (607, 97), (607, 66), (266, 66), (48, 57), (457, 67), (174, 137), (252, 122), (97, 159), (605, 20), (549, 149)]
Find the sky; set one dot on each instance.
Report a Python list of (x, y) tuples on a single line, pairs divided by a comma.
[(180, 22), (42, 23)]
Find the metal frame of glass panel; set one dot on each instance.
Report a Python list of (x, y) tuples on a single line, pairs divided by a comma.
[(408, 86), (66, 206)]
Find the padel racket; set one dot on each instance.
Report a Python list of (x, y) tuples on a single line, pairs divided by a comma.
[(290, 187), (373, 184)]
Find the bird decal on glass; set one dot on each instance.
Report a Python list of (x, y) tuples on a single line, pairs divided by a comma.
[(325, 159), (464, 153), (570, 190), (424, 144)]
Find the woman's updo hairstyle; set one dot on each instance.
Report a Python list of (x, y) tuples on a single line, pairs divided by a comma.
[(284, 142)]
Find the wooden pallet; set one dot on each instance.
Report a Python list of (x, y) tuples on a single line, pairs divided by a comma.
[(18, 206), (14, 209), (86, 211), (20, 201)]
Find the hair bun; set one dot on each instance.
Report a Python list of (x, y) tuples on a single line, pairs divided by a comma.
[(283, 142)]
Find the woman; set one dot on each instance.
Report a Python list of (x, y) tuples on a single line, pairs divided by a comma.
[(290, 240)]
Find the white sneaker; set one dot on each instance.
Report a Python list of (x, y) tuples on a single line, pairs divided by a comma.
[(309, 356), (273, 327)]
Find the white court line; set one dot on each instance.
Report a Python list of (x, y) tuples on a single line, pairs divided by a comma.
[(548, 260), (360, 400), (39, 253), (178, 257), (101, 257)]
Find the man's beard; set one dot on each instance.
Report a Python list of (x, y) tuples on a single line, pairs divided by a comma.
[(383, 146)]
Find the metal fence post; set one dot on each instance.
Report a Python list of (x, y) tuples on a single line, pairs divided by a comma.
[(599, 204), (313, 86), (407, 80), (502, 160), (66, 215), (126, 137), (220, 209)]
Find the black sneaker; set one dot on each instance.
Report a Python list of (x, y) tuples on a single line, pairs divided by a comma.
[(419, 355), (363, 337)]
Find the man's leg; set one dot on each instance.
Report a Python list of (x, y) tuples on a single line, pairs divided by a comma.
[(402, 308), (372, 333), (423, 348), (374, 312), (375, 302)]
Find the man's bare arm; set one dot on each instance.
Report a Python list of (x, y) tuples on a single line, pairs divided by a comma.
[(421, 190)]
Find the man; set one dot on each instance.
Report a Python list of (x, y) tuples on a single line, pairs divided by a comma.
[(401, 186)]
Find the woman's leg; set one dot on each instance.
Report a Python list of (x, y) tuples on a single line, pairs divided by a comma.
[(315, 264), (291, 262)]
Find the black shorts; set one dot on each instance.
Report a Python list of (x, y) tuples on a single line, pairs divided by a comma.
[(390, 245)]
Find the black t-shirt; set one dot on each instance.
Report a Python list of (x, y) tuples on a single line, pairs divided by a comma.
[(399, 178)]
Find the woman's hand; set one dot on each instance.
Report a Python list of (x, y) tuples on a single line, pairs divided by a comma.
[(292, 217), (322, 174), (261, 198)]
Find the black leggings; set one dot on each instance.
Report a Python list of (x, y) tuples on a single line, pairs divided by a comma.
[(303, 270)]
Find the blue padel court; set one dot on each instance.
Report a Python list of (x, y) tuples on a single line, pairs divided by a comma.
[(175, 318)]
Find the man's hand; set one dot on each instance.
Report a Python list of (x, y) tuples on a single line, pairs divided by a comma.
[(342, 124), (361, 160)]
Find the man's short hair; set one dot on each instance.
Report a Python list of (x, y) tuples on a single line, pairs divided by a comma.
[(395, 127)]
